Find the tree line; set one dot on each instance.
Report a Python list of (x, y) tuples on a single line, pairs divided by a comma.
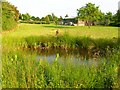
[(92, 14), (50, 18), (89, 13)]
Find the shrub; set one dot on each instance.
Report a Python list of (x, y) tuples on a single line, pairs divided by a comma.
[(10, 16)]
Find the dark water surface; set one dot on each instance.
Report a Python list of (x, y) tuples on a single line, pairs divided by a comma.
[(75, 56)]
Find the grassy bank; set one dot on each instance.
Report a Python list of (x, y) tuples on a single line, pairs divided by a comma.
[(66, 42), (20, 69)]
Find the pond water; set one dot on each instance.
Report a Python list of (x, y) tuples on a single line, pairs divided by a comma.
[(75, 56)]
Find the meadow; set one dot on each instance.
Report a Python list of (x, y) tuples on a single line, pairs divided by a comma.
[(26, 30), (20, 69)]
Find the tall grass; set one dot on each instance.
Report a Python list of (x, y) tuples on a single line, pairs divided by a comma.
[(69, 42), (22, 70)]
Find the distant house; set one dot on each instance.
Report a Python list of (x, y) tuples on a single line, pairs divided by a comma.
[(61, 22), (81, 23), (72, 21)]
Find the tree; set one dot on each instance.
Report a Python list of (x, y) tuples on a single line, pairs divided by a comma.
[(66, 15), (10, 16), (101, 20), (33, 18), (60, 19), (26, 17), (50, 17), (37, 19), (43, 19), (90, 13), (47, 20), (55, 19), (108, 18), (118, 18), (20, 16)]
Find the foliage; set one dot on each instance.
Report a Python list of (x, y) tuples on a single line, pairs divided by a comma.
[(89, 12), (108, 18), (118, 15), (43, 19), (47, 20), (50, 17), (10, 16), (26, 17), (68, 42), (115, 21), (66, 15), (60, 19), (35, 18), (118, 18), (55, 19)]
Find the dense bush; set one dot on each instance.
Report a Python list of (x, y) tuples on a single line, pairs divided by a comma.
[(10, 16)]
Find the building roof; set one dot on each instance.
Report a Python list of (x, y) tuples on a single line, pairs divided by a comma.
[(72, 17)]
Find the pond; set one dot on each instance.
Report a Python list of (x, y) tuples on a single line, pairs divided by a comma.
[(78, 56)]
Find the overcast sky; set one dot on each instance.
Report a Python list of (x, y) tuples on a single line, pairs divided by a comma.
[(41, 8)]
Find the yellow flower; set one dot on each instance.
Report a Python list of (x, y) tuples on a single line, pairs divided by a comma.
[(15, 57), (11, 59), (116, 69)]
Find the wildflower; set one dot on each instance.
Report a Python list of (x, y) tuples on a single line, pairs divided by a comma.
[(81, 85), (57, 57), (116, 69), (41, 61), (11, 59), (15, 57)]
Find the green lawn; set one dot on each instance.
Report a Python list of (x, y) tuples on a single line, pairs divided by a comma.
[(25, 30)]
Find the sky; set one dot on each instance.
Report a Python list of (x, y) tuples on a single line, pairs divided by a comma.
[(42, 8)]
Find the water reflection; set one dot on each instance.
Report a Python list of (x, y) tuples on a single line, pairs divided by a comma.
[(78, 57)]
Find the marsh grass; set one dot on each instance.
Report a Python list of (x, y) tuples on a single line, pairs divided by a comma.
[(67, 42), (22, 70)]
